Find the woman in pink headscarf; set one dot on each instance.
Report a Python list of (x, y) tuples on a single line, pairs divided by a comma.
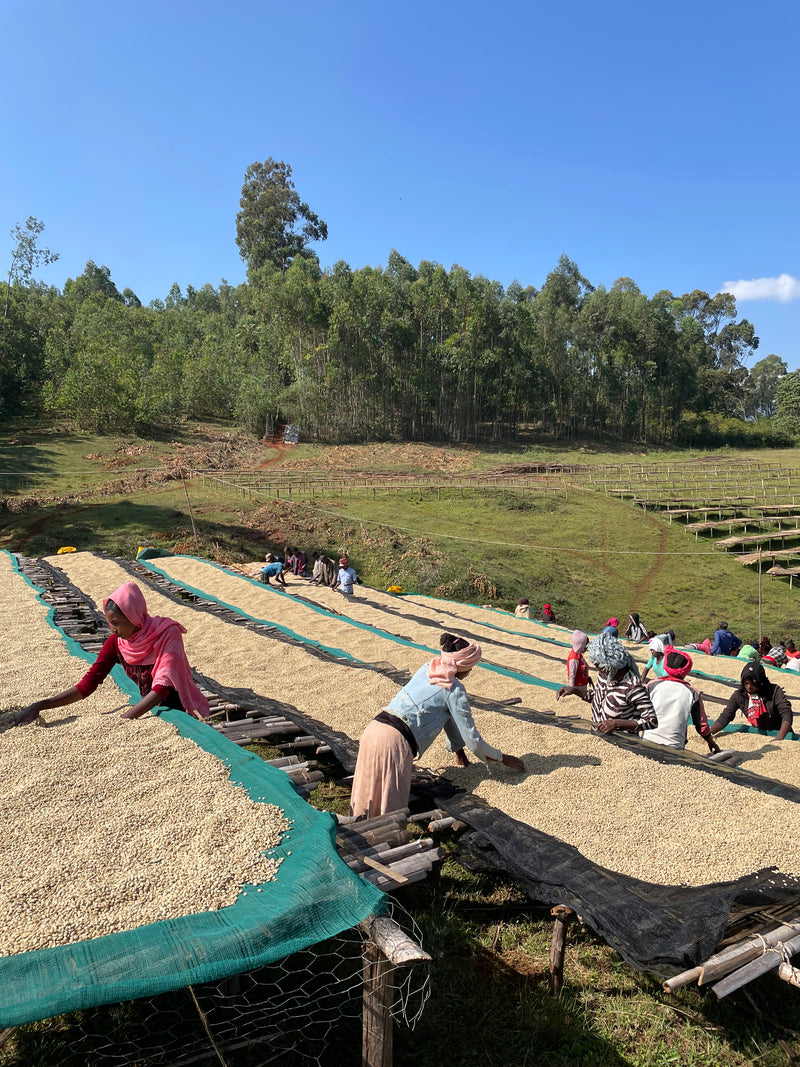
[(150, 650), (578, 679), (434, 700)]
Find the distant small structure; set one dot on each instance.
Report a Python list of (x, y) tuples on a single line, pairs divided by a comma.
[(291, 435)]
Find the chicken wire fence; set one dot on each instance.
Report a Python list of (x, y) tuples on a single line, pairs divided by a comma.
[(305, 1009)]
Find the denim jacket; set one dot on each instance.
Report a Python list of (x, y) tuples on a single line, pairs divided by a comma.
[(428, 709)]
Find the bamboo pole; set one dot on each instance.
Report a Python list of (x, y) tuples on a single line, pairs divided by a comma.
[(768, 961), (682, 979), (734, 956)]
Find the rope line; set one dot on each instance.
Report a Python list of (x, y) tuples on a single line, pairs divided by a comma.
[(499, 544)]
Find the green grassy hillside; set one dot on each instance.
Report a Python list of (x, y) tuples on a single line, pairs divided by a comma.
[(589, 554)]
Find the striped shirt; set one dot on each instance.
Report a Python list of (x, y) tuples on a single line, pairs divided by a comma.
[(627, 699)]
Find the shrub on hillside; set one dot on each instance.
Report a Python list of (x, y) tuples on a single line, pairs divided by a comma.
[(707, 430)]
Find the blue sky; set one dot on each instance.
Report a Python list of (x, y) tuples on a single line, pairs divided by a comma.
[(654, 141)]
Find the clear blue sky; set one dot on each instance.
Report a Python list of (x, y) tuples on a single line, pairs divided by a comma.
[(657, 141)]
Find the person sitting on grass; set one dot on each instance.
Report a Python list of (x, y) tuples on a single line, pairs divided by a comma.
[(273, 569), (548, 614), (150, 649), (725, 642), (523, 609), (675, 702)]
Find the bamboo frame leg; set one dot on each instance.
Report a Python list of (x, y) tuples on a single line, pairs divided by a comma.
[(386, 947), (561, 917), (376, 1046)]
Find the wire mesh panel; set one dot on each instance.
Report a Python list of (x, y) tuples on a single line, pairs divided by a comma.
[(305, 1009)]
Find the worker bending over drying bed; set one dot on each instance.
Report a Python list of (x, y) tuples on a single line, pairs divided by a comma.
[(434, 700), (619, 700), (676, 702), (150, 649)]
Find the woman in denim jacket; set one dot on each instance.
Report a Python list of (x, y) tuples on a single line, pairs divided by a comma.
[(434, 700)]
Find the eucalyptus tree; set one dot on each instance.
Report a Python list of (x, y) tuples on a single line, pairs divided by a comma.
[(26, 255), (274, 225), (762, 386), (787, 401), (565, 369)]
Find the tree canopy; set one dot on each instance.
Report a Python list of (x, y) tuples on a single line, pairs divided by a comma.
[(26, 255), (274, 225), (402, 352)]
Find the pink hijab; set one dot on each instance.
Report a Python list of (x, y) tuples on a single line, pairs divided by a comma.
[(580, 641), (158, 641), (442, 670)]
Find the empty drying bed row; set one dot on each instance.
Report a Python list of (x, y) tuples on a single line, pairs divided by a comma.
[(625, 812), (108, 824)]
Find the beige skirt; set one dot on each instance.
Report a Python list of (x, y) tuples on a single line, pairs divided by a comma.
[(382, 781)]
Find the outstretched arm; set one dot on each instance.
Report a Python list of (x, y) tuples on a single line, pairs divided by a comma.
[(144, 705), (69, 696)]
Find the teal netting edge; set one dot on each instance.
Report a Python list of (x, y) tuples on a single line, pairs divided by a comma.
[(120, 677), (568, 644), (745, 728), (525, 679), (315, 896)]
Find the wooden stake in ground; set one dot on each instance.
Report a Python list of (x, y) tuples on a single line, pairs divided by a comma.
[(760, 624), (561, 917), (189, 506)]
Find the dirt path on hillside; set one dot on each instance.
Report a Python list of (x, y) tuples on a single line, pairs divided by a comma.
[(643, 588), (281, 450)]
